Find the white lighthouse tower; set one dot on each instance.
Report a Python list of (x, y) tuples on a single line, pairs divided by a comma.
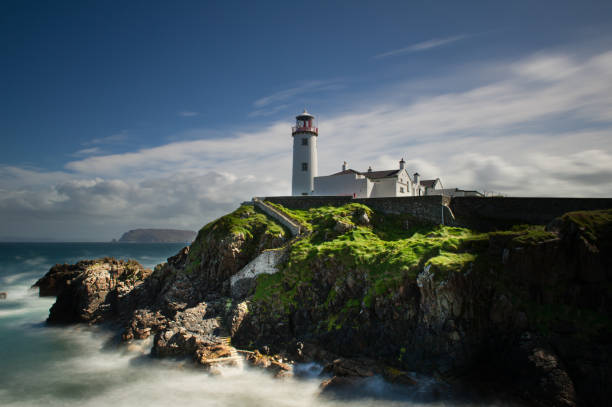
[(304, 154)]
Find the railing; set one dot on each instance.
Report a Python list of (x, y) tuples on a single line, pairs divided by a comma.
[(310, 129)]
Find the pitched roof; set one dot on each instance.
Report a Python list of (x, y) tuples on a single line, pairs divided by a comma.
[(428, 183), (380, 174), (371, 174), (349, 171)]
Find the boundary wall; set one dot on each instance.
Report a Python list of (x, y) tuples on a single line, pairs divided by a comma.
[(501, 213), (293, 227), (433, 208), (472, 212)]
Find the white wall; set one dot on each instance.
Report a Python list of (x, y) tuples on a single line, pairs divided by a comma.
[(383, 187), (345, 184), (302, 182)]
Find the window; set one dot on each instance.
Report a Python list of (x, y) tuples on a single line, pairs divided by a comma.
[(304, 141), (402, 190), (304, 166)]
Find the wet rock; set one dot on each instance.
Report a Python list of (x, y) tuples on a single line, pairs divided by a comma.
[(398, 377), (58, 277), (339, 384), (273, 364), (209, 355), (348, 367), (90, 296)]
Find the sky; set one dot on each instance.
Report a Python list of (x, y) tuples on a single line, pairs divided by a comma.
[(118, 115)]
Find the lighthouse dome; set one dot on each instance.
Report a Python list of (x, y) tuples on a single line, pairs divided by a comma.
[(304, 115)]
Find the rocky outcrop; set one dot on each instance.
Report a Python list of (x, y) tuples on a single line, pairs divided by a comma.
[(90, 291), (530, 310)]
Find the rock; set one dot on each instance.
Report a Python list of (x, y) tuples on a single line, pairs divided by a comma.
[(214, 354), (91, 295), (348, 367), (539, 373), (273, 364), (237, 315), (343, 227), (3, 295), (339, 384), (398, 377), (58, 277), (363, 219)]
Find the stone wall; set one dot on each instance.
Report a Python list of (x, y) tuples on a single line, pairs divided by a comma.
[(430, 208), (293, 227), (501, 213), (244, 281), (471, 212)]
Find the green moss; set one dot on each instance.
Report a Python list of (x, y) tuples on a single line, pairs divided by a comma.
[(389, 251), (244, 221), (448, 261), (594, 225), (525, 235)]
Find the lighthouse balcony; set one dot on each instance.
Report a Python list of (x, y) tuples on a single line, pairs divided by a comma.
[(298, 129)]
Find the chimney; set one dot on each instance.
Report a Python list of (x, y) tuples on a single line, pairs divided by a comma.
[(402, 164), (417, 179), (344, 166), (370, 168)]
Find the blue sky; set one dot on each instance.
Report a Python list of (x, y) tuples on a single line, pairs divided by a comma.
[(118, 115)]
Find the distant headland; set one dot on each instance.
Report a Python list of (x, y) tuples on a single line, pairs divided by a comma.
[(158, 236)]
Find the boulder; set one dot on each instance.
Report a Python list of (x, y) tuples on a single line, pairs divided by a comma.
[(339, 384), (58, 277), (343, 227), (273, 364), (348, 367)]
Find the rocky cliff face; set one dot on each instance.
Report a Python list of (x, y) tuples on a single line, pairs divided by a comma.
[(527, 309)]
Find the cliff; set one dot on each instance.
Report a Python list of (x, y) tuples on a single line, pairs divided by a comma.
[(526, 310), (158, 236)]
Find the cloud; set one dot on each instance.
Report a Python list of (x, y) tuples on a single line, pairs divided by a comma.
[(268, 112), (306, 87), (112, 139), (188, 114), (88, 151), (422, 46), (538, 126)]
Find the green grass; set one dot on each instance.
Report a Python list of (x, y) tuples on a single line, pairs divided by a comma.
[(245, 222), (594, 225), (389, 250)]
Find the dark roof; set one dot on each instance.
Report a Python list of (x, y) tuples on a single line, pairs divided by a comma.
[(349, 171), (380, 174), (428, 183), (371, 174)]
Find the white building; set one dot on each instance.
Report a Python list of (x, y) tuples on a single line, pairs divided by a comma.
[(304, 154), (374, 184), (349, 182)]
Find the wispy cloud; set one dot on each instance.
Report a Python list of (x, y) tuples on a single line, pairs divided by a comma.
[(422, 46), (88, 151), (268, 112), (306, 87), (112, 139), (188, 113)]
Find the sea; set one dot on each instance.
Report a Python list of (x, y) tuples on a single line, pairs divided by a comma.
[(80, 365)]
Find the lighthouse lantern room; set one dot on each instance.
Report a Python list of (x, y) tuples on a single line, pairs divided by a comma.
[(304, 135)]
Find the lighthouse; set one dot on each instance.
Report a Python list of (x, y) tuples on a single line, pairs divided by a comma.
[(304, 154)]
